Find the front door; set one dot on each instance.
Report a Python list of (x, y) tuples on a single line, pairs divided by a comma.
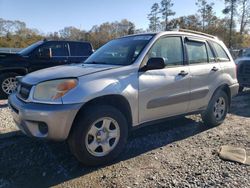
[(58, 56), (164, 92)]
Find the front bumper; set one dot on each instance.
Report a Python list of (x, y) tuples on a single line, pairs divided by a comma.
[(244, 81), (234, 89), (57, 119)]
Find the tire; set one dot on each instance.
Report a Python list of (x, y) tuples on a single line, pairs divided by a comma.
[(3, 81), (82, 143), (241, 88), (209, 117)]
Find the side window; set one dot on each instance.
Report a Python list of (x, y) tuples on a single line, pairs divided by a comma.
[(197, 52), (170, 49), (210, 54), (56, 49), (80, 49), (221, 54)]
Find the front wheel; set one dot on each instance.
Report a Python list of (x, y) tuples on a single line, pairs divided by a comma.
[(99, 135), (8, 84), (217, 109)]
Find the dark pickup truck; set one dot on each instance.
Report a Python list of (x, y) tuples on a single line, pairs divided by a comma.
[(243, 68), (40, 55)]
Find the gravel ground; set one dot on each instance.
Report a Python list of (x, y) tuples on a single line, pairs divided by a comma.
[(177, 153), (6, 123)]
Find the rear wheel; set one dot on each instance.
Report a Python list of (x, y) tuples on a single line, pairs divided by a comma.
[(217, 109), (8, 84), (99, 135)]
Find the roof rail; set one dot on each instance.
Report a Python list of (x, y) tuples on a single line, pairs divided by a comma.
[(195, 32)]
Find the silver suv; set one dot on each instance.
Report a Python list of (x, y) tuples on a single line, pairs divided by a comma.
[(128, 82)]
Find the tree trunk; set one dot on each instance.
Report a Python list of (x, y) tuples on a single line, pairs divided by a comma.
[(231, 27), (166, 22), (242, 25)]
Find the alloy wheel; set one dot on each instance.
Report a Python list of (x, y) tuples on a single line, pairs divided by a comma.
[(219, 108), (9, 85), (102, 137)]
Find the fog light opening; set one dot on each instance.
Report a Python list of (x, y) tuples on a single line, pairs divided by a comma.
[(43, 128)]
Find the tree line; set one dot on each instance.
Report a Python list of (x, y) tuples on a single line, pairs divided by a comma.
[(16, 34), (236, 12)]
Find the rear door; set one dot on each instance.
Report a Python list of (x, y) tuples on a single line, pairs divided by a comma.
[(204, 70), (79, 51), (59, 55)]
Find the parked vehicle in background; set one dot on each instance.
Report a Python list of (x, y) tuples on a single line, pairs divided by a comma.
[(131, 81), (40, 55), (243, 68), (10, 50)]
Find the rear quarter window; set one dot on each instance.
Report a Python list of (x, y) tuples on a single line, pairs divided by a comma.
[(220, 52), (80, 49)]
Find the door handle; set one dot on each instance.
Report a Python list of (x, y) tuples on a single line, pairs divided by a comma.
[(214, 69), (183, 73)]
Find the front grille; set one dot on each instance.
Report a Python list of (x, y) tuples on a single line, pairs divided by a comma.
[(23, 91), (244, 68)]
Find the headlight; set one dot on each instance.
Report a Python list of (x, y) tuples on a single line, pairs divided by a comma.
[(53, 90)]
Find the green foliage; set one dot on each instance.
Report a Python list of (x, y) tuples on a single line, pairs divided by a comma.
[(166, 10), (14, 34), (205, 20), (244, 15), (153, 17), (231, 10), (206, 12)]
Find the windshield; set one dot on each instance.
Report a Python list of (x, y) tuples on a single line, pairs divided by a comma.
[(244, 52), (30, 48), (122, 51)]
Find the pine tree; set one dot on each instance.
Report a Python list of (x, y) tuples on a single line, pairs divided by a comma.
[(244, 15), (154, 19), (231, 9), (166, 11), (206, 11)]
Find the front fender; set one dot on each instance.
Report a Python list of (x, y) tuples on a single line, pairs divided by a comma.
[(91, 87)]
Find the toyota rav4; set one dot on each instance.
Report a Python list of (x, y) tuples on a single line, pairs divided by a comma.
[(130, 81)]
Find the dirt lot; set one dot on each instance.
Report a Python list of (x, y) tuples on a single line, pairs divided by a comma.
[(177, 153)]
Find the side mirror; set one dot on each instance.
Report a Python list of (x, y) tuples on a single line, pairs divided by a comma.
[(154, 63), (46, 53)]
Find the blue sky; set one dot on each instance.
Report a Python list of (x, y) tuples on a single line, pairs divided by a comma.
[(53, 15)]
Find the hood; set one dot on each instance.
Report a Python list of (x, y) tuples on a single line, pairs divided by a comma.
[(66, 71), (9, 56), (242, 59)]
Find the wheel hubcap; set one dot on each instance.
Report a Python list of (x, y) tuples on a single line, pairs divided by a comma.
[(9, 85), (219, 108), (102, 136)]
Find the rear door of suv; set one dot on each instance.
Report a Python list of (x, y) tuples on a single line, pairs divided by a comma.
[(205, 72), (79, 51)]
